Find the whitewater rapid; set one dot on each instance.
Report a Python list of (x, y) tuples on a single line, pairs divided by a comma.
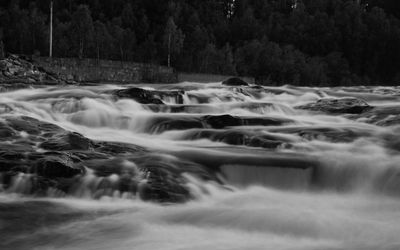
[(299, 180)]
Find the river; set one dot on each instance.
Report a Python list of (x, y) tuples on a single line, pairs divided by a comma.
[(240, 167)]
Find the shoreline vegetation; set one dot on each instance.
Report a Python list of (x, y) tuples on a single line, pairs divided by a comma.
[(296, 42)]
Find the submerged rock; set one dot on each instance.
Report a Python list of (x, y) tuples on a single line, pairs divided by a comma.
[(234, 81), (348, 105)]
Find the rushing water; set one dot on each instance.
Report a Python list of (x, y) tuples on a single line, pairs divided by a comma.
[(298, 180)]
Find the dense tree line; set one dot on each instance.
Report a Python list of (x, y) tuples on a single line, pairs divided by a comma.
[(335, 42)]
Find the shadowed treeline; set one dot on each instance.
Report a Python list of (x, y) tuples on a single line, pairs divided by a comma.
[(300, 42)]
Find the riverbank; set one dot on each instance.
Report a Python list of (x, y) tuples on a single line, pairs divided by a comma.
[(22, 70), (93, 70)]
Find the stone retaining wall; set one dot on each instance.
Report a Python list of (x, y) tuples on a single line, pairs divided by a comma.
[(92, 70)]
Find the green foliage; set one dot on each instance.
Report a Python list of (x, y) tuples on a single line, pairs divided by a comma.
[(302, 42)]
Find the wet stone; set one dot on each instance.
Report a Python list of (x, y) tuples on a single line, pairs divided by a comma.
[(60, 166), (234, 81), (140, 95), (348, 105), (67, 141)]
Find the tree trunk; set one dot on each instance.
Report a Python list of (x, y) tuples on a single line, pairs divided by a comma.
[(121, 50), (98, 53), (169, 50), (1, 50), (81, 44)]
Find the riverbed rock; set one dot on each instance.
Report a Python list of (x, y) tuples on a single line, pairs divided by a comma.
[(161, 124), (223, 121), (67, 141), (348, 105), (140, 95), (31, 125), (238, 137), (44, 156), (384, 116), (234, 81), (57, 166)]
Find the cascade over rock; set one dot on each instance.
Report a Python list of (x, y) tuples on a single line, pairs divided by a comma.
[(70, 155), (140, 95)]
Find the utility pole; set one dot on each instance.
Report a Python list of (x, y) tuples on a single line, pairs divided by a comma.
[(51, 30)]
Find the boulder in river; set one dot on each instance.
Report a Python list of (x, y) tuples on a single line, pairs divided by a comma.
[(67, 141), (348, 105), (384, 116), (234, 81), (57, 166), (223, 121), (140, 95)]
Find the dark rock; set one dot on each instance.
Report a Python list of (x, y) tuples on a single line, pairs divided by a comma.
[(63, 158), (341, 134), (348, 105), (31, 125), (235, 81), (162, 184), (223, 121), (140, 95), (176, 95), (6, 132), (15, 69), (4, 108), (382, 116), (60, 166), (116, 148), (238, 137), (108, 167), (163, 124), (67, 141)]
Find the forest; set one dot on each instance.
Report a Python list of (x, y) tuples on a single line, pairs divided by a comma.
[(299, 42)]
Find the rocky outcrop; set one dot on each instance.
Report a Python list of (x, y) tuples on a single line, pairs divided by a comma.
[(14, 69), (57, 166), (234, 81), (348, 105), (140, 95), (164, 123), (67, 141), (144, 96), (239, 137), (223, 121), (44, 156), (382, 116)]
